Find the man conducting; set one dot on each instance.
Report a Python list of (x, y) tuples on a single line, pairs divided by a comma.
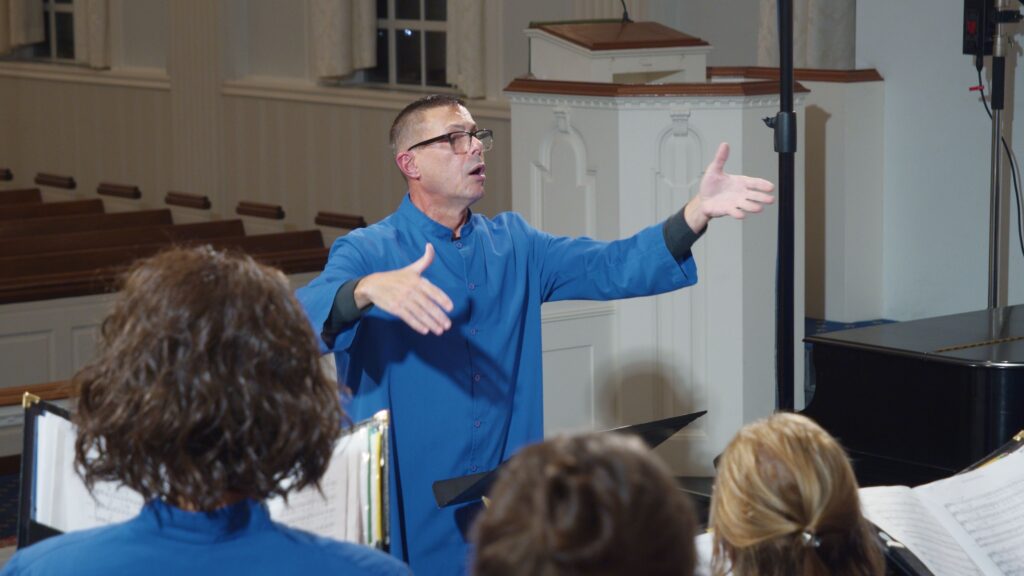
[(434, 313)]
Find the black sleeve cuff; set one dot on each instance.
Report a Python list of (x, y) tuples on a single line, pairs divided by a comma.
[(679, 238), (343, 312)]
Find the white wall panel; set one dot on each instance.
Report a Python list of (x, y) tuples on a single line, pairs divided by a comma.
[(310, 157), (143, 33), (28, 355), (94, 133), (580, 389), (83, 344), (278, 28)]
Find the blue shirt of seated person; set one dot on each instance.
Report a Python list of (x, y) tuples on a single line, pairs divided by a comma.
[(164, 540)]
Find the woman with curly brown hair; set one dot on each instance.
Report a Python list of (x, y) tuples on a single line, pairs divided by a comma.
[(206, 397), (596, 505), (785, 502)]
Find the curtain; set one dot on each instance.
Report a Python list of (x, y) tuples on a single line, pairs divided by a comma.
[(343, 37), (21, 23), (464, 50), (92, 33), (823, 34)]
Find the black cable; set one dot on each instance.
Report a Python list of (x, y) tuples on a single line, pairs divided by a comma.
[(625, 13), (1013, 166)]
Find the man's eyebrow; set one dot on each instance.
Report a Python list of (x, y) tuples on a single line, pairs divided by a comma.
[(460, 127)]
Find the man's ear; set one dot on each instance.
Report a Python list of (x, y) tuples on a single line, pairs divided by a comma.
[(406, 162)]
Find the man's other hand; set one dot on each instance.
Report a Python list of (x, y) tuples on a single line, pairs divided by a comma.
[(407, 294)]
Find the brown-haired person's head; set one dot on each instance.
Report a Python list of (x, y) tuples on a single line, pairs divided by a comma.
[(207, 384), (785, 502), (596, 504)]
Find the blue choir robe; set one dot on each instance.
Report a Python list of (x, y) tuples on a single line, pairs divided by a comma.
[(465, 401), (236, 540)]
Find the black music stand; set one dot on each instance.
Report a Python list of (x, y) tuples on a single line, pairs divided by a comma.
[(473, 487)]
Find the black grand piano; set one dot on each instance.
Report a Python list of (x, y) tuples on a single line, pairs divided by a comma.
[(917, 401)]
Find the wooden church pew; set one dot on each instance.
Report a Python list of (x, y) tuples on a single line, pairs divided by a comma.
[(84, 223), (93, 239), (21, 196), (118, 256), (49, 209), (66, 274)]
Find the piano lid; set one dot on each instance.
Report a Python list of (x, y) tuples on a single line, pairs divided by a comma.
[(987, 338)]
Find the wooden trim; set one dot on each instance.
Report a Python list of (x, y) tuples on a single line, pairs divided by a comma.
[(55, 181), (607, 90), (6, 175), (49, 391), (119, 190), (616, 35), (187, 200), (338, 220), (799, 74), (260, 210)]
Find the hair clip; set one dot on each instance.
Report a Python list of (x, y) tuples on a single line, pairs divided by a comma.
[(809, 539)]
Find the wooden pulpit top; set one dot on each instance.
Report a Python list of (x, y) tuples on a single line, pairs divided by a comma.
[(606, 35)]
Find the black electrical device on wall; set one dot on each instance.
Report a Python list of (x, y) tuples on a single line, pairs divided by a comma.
[(978, 18)]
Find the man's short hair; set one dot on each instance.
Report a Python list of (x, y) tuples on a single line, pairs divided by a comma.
[(411, 115), (207, 382), (598, 504)]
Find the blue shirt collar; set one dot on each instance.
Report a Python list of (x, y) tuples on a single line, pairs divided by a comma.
[(221, 524), (430, 227)]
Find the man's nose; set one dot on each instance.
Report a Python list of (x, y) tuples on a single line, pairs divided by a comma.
[(476, 146)]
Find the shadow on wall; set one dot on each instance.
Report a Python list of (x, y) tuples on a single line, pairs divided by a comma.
[(647, 392), (815, 211)]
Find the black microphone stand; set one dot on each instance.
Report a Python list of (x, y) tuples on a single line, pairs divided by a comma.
[(1001, 15), (784, 125)]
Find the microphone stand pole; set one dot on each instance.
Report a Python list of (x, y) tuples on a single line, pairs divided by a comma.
[(784, 125), (997, 281)]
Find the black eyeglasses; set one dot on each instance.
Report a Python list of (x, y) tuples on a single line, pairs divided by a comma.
[(461, 141)]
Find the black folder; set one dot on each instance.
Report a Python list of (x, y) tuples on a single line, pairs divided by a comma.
[(30, 531), (474, 487)]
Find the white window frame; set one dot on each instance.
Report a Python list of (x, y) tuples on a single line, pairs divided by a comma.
[(394, 26)]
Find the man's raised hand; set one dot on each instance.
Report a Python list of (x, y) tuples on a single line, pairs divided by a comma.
[(406, 294), (724, 194)]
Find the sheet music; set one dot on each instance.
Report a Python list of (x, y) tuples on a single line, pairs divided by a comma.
[(350, 507), (897, 510), (984, 509), (46, 458), (336, 513), (62, 500)]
